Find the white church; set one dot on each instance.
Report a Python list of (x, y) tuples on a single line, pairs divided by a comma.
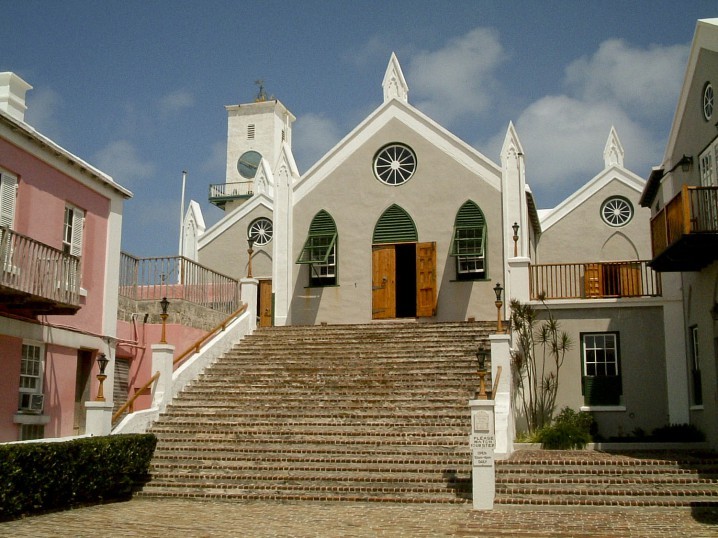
[(402, 220)]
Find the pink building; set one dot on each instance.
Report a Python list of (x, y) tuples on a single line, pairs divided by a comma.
[(60, 229)]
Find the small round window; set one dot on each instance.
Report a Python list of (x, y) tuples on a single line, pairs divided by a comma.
[(261, 230), (616, 211), (248, 164), (394, 164), (708, 99)]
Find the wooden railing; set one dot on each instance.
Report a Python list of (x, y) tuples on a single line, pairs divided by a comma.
[(195, 347), (229, 190), (594, 280), (28, 266), (128, 405), (692, 210), (177, 277)]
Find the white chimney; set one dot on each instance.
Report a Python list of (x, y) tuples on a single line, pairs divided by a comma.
[(12, 95)]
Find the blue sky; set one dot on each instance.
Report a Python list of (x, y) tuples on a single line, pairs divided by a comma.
[(138, 88)]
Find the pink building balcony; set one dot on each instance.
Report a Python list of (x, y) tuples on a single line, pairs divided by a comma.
[(35, 278)]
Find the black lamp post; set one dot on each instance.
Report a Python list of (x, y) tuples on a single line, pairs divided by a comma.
[(250, 241), (481, 355), (498, 290), (515, 228), (102, 362), (164, 304)]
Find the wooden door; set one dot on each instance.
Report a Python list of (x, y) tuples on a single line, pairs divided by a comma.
[(631, 280), (383, 282), (425, 279), (593, 280), (264, 306)]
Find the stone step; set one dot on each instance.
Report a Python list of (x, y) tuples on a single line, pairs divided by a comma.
[(322, 495)]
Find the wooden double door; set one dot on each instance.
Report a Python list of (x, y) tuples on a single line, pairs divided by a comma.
[(403, 280)]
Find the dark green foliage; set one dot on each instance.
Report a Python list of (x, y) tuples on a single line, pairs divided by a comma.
[(38, 477), (568, 430), (671, 433)]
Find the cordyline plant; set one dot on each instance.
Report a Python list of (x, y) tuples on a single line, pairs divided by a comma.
[(541, 351)]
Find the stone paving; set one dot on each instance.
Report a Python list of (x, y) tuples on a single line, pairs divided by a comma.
[(188, 518)]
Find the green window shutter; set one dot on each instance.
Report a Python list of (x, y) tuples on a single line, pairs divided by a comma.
[(602, 390), (320, 241), (395, 226), (469, 231)]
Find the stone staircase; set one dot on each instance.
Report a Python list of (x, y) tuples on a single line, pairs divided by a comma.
[(375, 412), (636, 478)]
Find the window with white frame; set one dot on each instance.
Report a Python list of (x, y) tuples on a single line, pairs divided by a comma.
[(695, 370), (320, 250), (601, 382), (707, 163), (31, 372), (73, 231), (468, 243)]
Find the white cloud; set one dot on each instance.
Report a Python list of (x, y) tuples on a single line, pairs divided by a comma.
[(564, 138), (313, 135), (176, 101), (121, 160), (42, 106), (641, 80), (458, 79), (564, 135)]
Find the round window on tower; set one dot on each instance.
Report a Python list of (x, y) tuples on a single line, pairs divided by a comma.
[(261, 230), (394, 164), (248, 163), (616, 211)]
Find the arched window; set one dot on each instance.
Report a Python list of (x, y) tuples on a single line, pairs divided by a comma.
[(320, 250), (469, 242), (395, 226)]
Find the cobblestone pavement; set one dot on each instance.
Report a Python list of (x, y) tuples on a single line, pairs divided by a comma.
[(188, 518)]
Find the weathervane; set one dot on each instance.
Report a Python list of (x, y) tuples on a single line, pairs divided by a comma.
[(261, 94)]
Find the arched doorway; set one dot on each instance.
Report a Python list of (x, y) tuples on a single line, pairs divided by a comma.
[(403, 269)]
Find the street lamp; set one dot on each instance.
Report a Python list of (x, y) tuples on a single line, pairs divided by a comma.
[(498, 290), (515, 228), (481, 355), (250, 241), (102, 361), (164, 304)]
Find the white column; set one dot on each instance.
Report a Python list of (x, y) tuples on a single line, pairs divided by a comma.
[(249, 295), (505, 427), (482, 441), (98, 418), (162, 362), (517, 286)]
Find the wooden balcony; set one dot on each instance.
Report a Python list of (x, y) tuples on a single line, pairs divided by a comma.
[(596, 280), (221, 193), (684, 234), (35, 278)]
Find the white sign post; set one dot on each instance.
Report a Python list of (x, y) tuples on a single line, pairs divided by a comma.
[(483, 442)]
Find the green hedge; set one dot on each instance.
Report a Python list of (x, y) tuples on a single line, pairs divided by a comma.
[(39, 477)]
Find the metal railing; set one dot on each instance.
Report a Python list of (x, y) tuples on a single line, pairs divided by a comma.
[(229, 190), (593, 280), (32, 267), (692, 210), (177, 277)]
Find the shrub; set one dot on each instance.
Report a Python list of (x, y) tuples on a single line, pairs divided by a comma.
[(568, 430), (39, 477), (678, 433)]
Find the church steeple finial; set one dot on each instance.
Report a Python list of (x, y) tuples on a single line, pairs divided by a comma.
[(613, 152), (394, 84)]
